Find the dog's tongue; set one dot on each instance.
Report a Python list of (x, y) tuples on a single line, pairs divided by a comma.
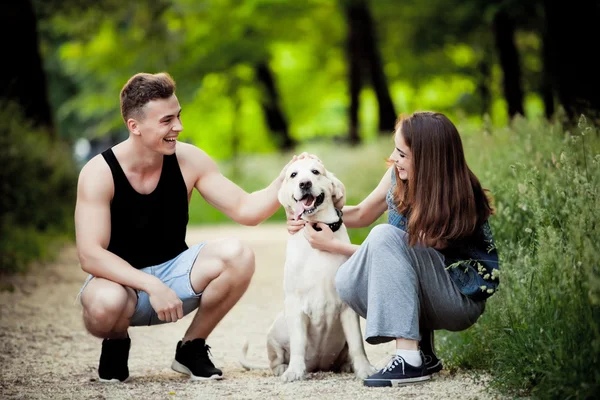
[(303, 205), (299, 210)]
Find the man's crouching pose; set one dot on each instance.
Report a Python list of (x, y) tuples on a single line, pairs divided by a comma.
[(131, 218)]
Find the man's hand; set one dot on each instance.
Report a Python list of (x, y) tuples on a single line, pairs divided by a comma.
[(308, 155), (321, 240), (165, 302), (296, 158), (282, 173)]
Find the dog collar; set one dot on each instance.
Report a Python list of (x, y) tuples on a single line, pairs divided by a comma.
[(334, 226)]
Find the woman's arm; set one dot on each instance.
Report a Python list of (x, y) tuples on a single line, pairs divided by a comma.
[(371, 208)]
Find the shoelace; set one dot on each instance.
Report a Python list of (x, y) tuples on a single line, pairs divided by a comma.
[(394, 362), (207, 347), (202, 351)]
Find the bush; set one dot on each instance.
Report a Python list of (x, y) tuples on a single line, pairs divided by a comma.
[(541, 331), (37, 192)]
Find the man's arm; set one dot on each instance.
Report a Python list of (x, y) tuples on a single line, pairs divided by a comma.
[(242, 207), (92, 226)]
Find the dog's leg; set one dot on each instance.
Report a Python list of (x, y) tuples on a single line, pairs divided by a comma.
[(297, 323), (343, 362), (351, 325), (278, 345), (277, 356)]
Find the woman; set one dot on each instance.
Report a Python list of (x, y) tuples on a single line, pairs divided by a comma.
[(433, 265)]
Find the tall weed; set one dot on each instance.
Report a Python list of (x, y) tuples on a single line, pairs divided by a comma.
[(540, 333)]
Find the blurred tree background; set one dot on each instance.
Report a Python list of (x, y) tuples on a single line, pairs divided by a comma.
[(262, 75), (261, 79)]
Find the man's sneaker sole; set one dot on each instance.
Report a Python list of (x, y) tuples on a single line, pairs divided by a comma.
[(182, 369), (113, 381), (394, 382)]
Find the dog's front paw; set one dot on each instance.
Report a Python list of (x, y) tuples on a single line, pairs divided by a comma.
[(364, 370), (280, 369), (292, 375)]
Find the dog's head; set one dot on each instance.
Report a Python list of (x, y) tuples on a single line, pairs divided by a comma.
[(308, 188)]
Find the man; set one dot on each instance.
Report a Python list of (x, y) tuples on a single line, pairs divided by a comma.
[(131, 218)]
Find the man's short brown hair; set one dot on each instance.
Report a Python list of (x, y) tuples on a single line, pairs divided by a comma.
[(142, 88)]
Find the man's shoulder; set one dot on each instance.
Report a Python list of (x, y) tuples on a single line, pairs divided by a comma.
[(189, 155), (96, 176), (96, 165)]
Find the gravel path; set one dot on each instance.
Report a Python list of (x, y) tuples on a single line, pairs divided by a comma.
[(45, 351)]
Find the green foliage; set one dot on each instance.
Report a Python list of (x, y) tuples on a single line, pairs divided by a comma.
[(432, 55), (541, 332), (37, 193)]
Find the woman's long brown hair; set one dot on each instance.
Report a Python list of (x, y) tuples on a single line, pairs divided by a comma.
[(442, 198)]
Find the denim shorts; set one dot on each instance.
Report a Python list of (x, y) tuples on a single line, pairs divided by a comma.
[(175, 274)]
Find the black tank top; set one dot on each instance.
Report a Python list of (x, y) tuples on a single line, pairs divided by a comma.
[(148, 229)]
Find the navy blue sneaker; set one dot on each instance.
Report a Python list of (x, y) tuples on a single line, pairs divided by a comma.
[(396, 373), (427, 345)]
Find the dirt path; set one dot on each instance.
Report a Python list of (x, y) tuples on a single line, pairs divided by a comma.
[(46, 353)]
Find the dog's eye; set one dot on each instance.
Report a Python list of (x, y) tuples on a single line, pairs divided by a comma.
[(293, 174), (314, 171)]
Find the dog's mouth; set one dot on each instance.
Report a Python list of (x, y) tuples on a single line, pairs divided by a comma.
[(308, 204)]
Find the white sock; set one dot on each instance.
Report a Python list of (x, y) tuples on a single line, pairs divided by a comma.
[(413, 357)]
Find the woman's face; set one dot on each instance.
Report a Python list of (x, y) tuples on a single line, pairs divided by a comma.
[(401, 156)]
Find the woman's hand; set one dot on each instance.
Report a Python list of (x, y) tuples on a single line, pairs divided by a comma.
[(294, 225), (321, 240)]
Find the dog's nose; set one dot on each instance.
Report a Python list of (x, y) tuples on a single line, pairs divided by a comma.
[(305, 185)]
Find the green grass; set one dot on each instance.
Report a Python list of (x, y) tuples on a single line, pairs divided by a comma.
[(540, 334)]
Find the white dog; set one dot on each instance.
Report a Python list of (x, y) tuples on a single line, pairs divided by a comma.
[(316, 331)]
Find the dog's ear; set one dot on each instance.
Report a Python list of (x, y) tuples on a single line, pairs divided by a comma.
[(338, 192)]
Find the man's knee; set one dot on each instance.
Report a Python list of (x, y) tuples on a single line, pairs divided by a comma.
[(239, 256), (104, 304), (227, 256)]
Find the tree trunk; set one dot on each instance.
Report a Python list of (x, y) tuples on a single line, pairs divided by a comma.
[(354, 52), (364, 60), (572, 34), (365, 51), (273, 113), (387, 114), (483, 84), (504, 34), (546, 89), (23, 79)]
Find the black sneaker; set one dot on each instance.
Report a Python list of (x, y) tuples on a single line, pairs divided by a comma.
[(113, 360), (397, 372), (192, 358), (427, 345)]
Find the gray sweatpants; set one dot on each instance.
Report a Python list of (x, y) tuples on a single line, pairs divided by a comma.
[(402, 291)]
